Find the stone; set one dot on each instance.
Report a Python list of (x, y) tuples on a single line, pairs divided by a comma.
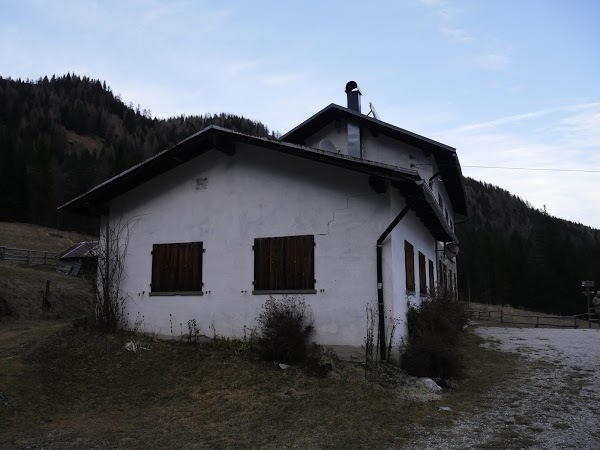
[(430, 385)]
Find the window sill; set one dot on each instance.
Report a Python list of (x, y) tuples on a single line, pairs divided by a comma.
[(286, 291), (175, 293)]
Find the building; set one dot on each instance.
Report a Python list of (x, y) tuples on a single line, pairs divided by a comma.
[(344, 209)]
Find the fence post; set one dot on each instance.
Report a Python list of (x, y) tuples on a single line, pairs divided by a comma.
[(537, 321), (501, 315), (575, 322), (45, 300)]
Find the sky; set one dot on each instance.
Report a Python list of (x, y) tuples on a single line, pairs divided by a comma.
[(513, 85)]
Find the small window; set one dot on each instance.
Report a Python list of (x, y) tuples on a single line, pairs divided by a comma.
[(284, 264), (409, 262), (431, 278), (445, 277), (177, 268), (447, 217), (440, 201), (422, 274), (455, 283)]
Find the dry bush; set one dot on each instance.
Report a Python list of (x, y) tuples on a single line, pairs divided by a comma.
[(435, 335), (285, 328)]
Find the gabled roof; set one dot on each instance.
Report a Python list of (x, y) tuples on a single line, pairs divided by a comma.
[(408, 181), (445, 156)]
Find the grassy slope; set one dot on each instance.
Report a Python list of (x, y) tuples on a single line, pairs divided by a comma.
[(78, 389), (35, 237), (23, 286)]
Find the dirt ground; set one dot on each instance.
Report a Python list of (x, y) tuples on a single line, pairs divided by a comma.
[(554, 401)]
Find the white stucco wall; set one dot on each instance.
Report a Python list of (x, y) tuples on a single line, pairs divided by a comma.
[(261, 193)]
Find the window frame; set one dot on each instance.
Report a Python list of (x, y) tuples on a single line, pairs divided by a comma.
[(431, 278), (179, 281), (409, 266), (422, 274), (284, 265)]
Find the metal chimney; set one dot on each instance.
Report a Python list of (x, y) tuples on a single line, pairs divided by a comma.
[(354, 141), (353, 94)]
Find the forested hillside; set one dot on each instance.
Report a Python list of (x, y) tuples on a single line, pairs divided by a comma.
[(514, 254), (61, 136)]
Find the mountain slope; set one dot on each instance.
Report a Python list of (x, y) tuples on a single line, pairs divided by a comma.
[(61, 136), (514, 254)]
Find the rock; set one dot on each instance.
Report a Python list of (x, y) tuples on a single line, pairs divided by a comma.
[(431, 385), (283, 366), (445, 408)]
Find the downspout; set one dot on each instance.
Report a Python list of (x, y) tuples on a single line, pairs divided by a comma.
[(381, 309)]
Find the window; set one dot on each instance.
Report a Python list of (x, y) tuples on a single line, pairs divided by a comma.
[(445, 277), (422, 274), (177, 268), (431, 280), (284, 264), (409, 262), (455, 283)]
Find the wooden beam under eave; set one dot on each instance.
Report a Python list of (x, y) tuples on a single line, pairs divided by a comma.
[(224, 145), (378, 184)]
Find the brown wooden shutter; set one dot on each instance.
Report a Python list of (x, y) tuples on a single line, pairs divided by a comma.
[(422, 274), (409, 261), (431, 278), (284, 263), (177, 267)]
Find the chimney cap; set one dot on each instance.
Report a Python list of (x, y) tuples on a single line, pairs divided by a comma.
[(352, 86)]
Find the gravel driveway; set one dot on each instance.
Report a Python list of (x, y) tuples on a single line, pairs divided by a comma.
[(555, 402)]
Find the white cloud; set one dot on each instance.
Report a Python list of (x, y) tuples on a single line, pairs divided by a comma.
[(457, 34), (498, 60), (564, 137)]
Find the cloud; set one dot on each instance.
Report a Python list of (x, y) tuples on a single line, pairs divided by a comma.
[(565, 137), (495, 61), (457, 34)]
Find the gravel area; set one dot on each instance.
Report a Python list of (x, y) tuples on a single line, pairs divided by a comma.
[(554, 402)]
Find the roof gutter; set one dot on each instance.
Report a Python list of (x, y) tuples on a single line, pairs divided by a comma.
[(380, 304)]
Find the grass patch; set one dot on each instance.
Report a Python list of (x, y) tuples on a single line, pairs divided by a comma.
[(23, 287), (77, 389)]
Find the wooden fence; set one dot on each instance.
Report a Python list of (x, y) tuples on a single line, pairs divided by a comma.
[(510, 318), (30, 257)]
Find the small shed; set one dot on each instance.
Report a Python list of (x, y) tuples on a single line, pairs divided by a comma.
[(81, 258)]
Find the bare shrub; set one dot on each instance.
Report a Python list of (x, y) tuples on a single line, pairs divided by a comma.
[(109, 300), (433, 347), (285, 328)]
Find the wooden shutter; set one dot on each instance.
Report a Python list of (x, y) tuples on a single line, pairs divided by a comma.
[(177, 267), (284, 263), (422, 274), (409, 261), (431, 278), (445, 277)]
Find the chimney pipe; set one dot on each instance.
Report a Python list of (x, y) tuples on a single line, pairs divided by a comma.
[(354, 139), (353, 93)]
